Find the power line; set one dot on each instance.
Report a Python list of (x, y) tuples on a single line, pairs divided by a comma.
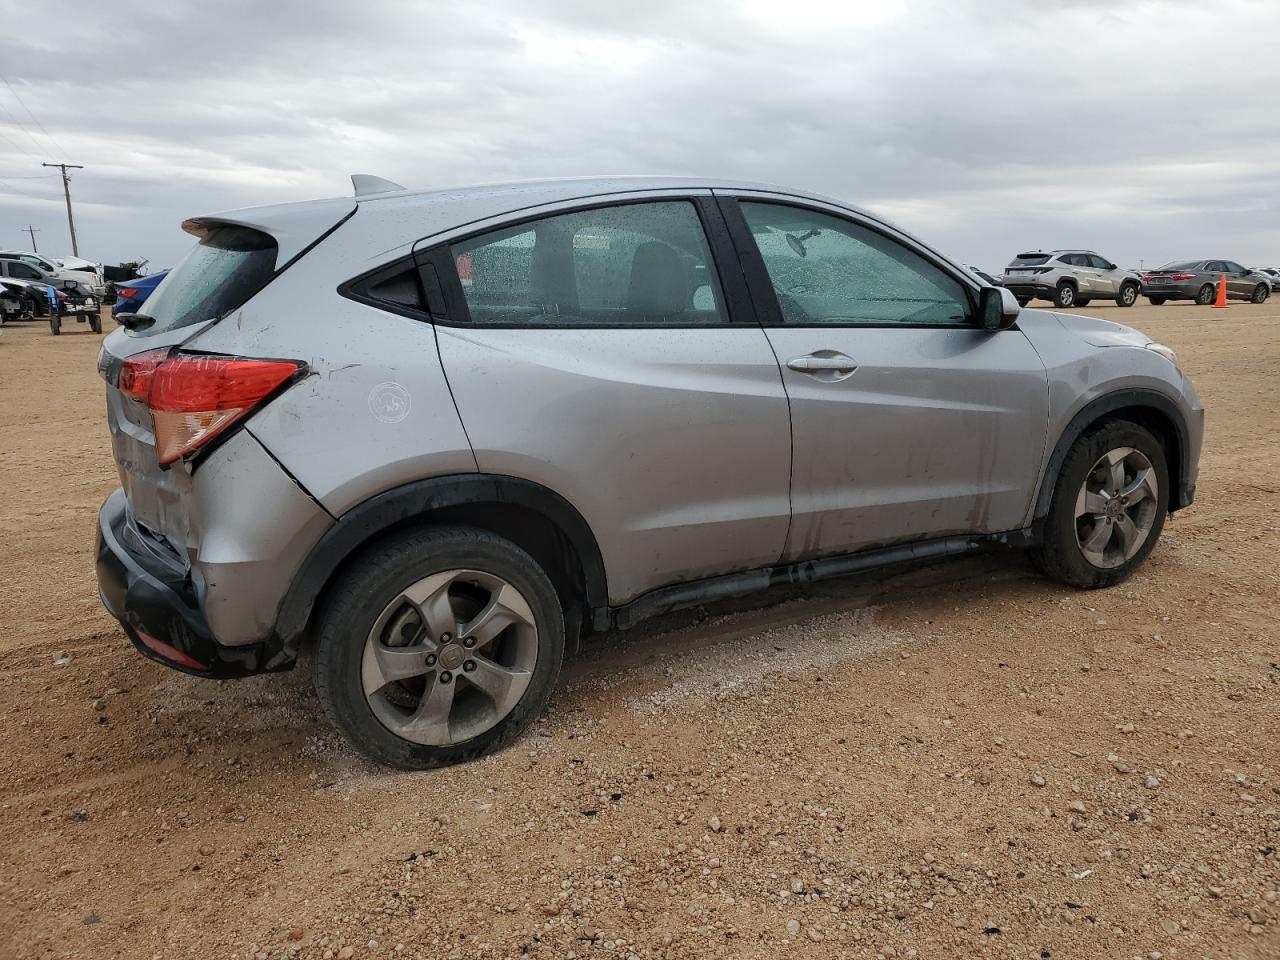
[(34, 118), (26, 193), (5, 136), (66, 192), (18, 123)]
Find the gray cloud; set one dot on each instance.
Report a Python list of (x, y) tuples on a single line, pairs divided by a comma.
[(984, 127)]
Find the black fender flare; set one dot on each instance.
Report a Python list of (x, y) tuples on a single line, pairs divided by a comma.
[(1096, 410), (407, 503)]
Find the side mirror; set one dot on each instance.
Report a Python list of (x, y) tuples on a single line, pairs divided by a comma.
[(1112, 266), (997, 308)]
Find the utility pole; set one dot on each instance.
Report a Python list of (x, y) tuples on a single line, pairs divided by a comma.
[(66, 192), (30, 229)]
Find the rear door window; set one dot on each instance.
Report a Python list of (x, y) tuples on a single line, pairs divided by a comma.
[(227, 267), (645, 264)]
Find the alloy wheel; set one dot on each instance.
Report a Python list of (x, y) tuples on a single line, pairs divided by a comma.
[(1128, 295), (449, 657), (1116, 507)]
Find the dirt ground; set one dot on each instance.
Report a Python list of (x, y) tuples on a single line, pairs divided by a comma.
[(963, 760)]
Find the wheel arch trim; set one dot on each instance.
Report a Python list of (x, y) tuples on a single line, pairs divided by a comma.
[(416, 501), (1098, 409)]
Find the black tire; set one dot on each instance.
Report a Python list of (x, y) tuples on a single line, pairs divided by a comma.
[(55, 324), (95, 322), (1022, 302), (371, 582), (1206, 295), (1082, 302), (1064, 296), (1260, 293), (1128, 295), (1156, 301), (1059, 555)]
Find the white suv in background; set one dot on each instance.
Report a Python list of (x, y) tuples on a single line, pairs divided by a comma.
[(1070, 278)]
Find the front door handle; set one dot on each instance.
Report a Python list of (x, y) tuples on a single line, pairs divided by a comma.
[(825, 365)]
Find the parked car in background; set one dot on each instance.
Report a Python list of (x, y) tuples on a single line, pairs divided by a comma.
[(441, 434), (132, 294), (986, 277), (32, 266), (91, 271), (1198, 280), (1273, 276), (40, 299), (1070, 278)]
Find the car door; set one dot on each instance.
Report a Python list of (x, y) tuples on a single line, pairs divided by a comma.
[(1240, 282), (600, 352), (1104, 275), (909, 421)]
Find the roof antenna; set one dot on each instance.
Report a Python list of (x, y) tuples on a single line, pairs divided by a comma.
[(366, 184)]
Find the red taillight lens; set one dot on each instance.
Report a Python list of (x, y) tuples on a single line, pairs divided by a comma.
[(126, 292), (137, 371), (194, 399), (1183, 276)]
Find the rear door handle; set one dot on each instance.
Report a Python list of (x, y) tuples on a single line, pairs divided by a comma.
[(825, 365)]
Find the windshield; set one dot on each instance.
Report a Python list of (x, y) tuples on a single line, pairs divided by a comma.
[(227, 267)]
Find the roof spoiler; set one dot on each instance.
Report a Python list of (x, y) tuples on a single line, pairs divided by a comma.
[(366, 184)]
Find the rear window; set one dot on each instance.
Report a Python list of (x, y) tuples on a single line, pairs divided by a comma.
[(1029, 259), (1182, 265), (227, 267)]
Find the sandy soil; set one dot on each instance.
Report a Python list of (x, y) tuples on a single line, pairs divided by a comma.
[(958, 761)]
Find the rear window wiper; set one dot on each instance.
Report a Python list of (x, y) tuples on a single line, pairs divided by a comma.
[(134, 321)]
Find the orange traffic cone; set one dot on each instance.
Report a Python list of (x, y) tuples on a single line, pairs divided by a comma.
[(1221, 302)]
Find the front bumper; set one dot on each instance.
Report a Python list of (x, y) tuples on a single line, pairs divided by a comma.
[(157, 606)]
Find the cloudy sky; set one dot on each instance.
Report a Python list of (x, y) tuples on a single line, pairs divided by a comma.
[(1145, 130)]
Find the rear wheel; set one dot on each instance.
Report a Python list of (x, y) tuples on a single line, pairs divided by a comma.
[(1156, 301), (1108, 507), (1128, 295), (1205, 295), (95, 322), (1082, 302), (1260, 293), (55, 324), (438, 647), (1065, 296)]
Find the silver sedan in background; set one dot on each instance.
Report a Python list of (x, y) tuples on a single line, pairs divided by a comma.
[(1198, 280)]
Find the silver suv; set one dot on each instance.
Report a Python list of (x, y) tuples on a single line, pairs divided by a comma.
[(1070, 278), (440, 437)]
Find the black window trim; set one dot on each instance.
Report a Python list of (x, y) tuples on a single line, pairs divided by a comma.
[(738, 308), (761, 286)]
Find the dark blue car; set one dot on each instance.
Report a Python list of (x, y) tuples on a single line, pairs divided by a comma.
[(131, 294)]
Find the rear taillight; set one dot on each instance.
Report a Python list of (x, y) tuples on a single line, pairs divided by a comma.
[(137, 371), (127, 292), (1183, 276), (194, 399)]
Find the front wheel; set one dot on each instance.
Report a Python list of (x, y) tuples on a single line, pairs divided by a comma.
[(1128, 295), (439, 646), (1108, 507), (1260, 293), (1065, 296)]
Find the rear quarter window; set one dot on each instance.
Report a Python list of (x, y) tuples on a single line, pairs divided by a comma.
[(227, 267), (1030, 260)]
